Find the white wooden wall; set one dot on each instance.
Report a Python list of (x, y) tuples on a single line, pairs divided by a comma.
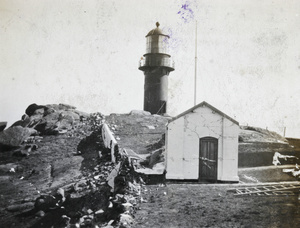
[(182, 144)]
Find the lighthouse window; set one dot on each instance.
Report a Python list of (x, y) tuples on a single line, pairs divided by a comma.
[(148, 44), (156, 44), (163, 44)]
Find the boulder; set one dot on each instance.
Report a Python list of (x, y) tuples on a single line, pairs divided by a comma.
[(3, 126), (127, 206), (80, 185), (34, 120), (126, 220), (57, 122), (46, 202), (82, 114), (31, 147), (14, 136), (140, 112), (49, 202), (39, 111), (86, 221), (72, 114), (31, 121), (31, 109)]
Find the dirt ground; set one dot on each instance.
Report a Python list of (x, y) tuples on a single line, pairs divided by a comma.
[(211, 205)]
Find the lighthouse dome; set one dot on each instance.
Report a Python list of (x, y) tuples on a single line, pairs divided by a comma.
[(156, 31)]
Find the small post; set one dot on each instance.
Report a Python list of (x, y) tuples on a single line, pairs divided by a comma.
[(284, 129)]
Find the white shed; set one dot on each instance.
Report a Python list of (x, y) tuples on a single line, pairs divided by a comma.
[(202, 144)]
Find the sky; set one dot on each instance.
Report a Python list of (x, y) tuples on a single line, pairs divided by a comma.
[(86, 54)]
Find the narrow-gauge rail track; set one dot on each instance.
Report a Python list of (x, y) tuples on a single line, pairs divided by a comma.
[(268, 189)]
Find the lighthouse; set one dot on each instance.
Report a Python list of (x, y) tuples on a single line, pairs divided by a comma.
[(156, 65)]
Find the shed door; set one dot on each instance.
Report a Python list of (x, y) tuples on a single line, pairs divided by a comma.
[(208, 160)]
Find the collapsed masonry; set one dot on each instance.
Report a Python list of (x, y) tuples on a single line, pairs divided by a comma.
[(125, 184)]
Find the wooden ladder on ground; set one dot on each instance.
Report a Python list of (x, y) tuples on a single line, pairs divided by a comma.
[(274, 189)]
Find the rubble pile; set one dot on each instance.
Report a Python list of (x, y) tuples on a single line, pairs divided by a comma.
[(125, 194), (279, 159), (69, 170), (118, 185)]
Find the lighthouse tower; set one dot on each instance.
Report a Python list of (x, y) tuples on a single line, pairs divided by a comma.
[(156, 64)]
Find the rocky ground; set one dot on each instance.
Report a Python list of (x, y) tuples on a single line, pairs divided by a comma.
[(61, 175), (56, 172)]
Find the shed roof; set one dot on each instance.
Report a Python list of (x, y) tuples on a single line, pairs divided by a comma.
[(202, 104)]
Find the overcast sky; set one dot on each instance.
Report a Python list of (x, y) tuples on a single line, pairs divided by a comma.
[(86, 53)]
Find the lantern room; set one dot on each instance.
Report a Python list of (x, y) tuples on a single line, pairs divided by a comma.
[(156, 51)]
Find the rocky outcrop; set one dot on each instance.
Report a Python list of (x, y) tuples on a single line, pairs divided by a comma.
[(51, 119), (57, 122), (14, 136), (255, 134)]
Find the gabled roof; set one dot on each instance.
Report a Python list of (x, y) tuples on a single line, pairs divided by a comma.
[(202, 104)]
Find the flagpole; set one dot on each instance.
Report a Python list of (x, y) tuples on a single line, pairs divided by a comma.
[(195, 79)]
